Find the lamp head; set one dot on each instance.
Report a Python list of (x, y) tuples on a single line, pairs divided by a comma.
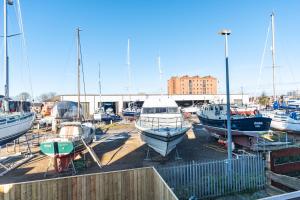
[(225, 32)]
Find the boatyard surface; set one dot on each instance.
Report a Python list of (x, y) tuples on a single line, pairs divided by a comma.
[(119, 147)]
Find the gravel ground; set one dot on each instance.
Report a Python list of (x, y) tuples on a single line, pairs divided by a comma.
[(121, 148)]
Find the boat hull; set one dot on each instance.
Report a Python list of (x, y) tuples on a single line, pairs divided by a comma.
[(246, 126), (162, 144), (13, 128), (285, 125)]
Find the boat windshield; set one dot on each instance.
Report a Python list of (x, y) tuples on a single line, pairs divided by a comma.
[(170, 110), (70, 131)]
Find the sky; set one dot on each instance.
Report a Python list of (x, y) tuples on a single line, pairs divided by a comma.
[(183, 33)]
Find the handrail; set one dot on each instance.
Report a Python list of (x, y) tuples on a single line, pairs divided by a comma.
[(162, 122)]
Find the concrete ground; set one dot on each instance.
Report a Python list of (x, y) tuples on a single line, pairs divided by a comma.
[(121, 148)]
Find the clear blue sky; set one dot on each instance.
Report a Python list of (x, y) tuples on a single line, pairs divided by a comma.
[(184, 33)]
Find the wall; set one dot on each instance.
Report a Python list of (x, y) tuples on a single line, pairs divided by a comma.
[(93, 99), (134, 184)]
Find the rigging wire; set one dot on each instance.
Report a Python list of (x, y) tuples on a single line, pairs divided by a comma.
[(262, 59), (24, 44)]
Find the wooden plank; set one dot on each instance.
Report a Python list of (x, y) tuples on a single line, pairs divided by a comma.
[(289, 181), (74, 188), (93, 187), (1, 192), (23, 192)]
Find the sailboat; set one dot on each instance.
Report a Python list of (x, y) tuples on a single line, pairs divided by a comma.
[(282, 119), (102, 114), (72, 136), (15, 116), (132, 109)]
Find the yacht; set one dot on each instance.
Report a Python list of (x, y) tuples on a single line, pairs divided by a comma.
[(15, 116), (284, 120), (214, 118), (161, 124)]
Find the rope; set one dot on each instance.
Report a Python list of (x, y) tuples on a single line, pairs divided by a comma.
[(23, 43), (262, 60)]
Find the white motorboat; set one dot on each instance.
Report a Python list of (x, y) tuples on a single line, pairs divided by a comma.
[(161, 124), (284, 121), (191, 109)]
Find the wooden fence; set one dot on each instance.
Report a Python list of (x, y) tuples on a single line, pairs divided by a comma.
[(142, 183)]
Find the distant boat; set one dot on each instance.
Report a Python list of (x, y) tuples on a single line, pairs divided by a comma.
[(72, 135), (191, 109), (214, 118), (285, 120), (161, 124), (132, 110), (15, 116)]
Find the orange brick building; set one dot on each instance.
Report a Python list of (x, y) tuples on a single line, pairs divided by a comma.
[(192, 85)]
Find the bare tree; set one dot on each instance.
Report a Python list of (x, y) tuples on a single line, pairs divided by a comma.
[(23, 96), (46, 96)]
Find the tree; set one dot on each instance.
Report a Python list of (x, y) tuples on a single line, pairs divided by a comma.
[(263, 99), (46, 96), (23, 96)]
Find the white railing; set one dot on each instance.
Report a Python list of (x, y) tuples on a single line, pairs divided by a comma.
[(159, 123)]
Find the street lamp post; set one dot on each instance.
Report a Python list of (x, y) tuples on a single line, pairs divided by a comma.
[(226, 33)]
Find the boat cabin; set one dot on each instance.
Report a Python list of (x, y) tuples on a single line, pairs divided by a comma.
[(214, 111), (71, 130)]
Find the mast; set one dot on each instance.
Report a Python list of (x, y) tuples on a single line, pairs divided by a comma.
[(273, 53), (160, 75), (78, 73), (128, 65), (100, 92), (6, 87)]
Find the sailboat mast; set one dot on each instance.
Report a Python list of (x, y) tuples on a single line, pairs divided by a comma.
[(129, 70), (100, 91), (5, 50), (160, 75), (273, 53), (78, 73)]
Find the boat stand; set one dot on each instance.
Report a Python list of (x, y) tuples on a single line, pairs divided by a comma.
[(148, 158), (177, 157), (70, 168), (11, 162)]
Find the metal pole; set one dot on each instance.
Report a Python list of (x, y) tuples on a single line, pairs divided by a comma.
[(5, 50), (273, 54), (229, 136), (100, 91), (160, 75), (129, 70), (78, 73)]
